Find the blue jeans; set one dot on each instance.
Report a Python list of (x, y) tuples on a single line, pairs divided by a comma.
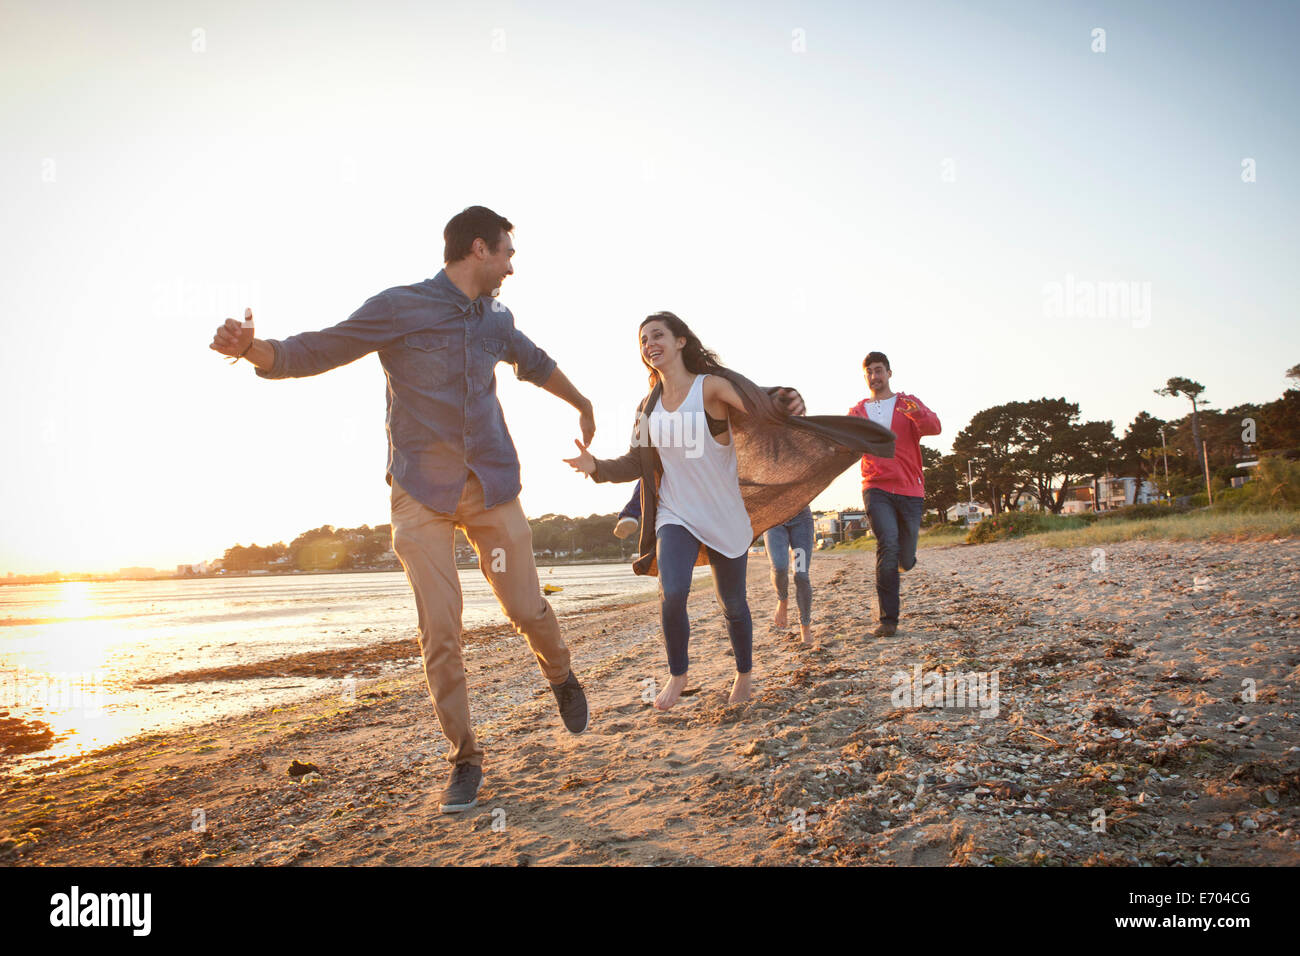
[(797, 534), (896, 522), (676, 551)]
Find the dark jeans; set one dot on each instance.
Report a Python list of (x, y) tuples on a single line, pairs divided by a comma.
[(633, 507), (676, 551), (796, 534), (896, 522)]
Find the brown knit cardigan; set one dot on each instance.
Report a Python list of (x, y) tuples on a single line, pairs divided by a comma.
[(783, 461)]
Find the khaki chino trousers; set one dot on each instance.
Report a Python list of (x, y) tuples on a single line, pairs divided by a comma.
[(424, 542)]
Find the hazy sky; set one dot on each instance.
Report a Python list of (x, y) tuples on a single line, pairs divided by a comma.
[(802, 183)]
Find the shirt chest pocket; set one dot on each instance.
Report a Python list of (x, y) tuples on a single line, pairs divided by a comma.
[(434, 358), (484, 357)]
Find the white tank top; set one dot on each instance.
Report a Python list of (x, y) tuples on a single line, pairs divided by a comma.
[(700, 488)]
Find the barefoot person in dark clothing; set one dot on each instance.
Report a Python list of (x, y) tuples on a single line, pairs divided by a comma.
[(451, 461), (893, 489)]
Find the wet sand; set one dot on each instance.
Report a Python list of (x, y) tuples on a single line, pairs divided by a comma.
[(1121, 736)]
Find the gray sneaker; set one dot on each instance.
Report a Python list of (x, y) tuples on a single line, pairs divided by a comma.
[(573, 704), (461, 792)]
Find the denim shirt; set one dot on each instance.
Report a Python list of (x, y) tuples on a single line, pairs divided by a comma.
[(439, 352)]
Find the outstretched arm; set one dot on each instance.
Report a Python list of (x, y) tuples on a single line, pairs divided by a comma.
[(719, 395), (720, 392), (558, 384), (366, 330), (626, 467), (532, 364)]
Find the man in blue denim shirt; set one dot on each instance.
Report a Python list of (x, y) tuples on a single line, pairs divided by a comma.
[(451, 461)]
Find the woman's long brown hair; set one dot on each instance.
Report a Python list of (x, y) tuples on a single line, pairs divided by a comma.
[(695, 356)]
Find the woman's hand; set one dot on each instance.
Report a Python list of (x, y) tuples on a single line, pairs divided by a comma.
[(583, 461), (792, 400)]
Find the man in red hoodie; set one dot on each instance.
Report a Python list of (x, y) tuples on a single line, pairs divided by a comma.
[(893, 489)]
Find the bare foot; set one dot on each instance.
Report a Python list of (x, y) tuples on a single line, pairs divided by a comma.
[(668, 696), (779, 618), (742, 689), (805, 634)]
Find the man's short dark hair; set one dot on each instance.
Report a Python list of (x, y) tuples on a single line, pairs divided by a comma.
[(476, 222), (873, 357)]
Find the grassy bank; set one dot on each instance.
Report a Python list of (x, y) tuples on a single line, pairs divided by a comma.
[(942, 534), (1073, 531), (1196, 526), (864, 543)]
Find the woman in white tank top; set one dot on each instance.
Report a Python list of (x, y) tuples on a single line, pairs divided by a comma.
[(699, 502), (700, 490)]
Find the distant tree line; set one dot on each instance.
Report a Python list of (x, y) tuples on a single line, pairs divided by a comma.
[(555, 537), (589, 537), (322, 549), (1034, 450)]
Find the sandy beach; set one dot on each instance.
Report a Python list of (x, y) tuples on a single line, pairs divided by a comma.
[(1124, 733)]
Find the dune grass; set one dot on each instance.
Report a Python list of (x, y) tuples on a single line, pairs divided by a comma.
[(941, 535), (1197, 526), (1139, 523), (1204, 525)]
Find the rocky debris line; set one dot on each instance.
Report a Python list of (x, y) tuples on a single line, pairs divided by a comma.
[(1115, 743)]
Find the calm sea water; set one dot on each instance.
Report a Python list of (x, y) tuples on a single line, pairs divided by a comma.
[(72, 655)]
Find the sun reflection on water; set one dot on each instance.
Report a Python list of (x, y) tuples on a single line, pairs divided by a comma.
[(61, 683)]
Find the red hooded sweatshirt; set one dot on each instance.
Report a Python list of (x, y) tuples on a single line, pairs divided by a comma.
[(902, 473)]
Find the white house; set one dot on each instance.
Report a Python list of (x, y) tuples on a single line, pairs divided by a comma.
[(968, 512), (1115, 492)]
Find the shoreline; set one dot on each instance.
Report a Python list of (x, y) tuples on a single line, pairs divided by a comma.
[(94, 579), (26, 737), (1120, 700)]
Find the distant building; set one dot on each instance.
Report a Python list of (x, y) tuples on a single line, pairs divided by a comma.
[(1239, 481), (965, 510), (1112, 492), (1107, 493), (1247, 463), (838, 526), (1078, 498)]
